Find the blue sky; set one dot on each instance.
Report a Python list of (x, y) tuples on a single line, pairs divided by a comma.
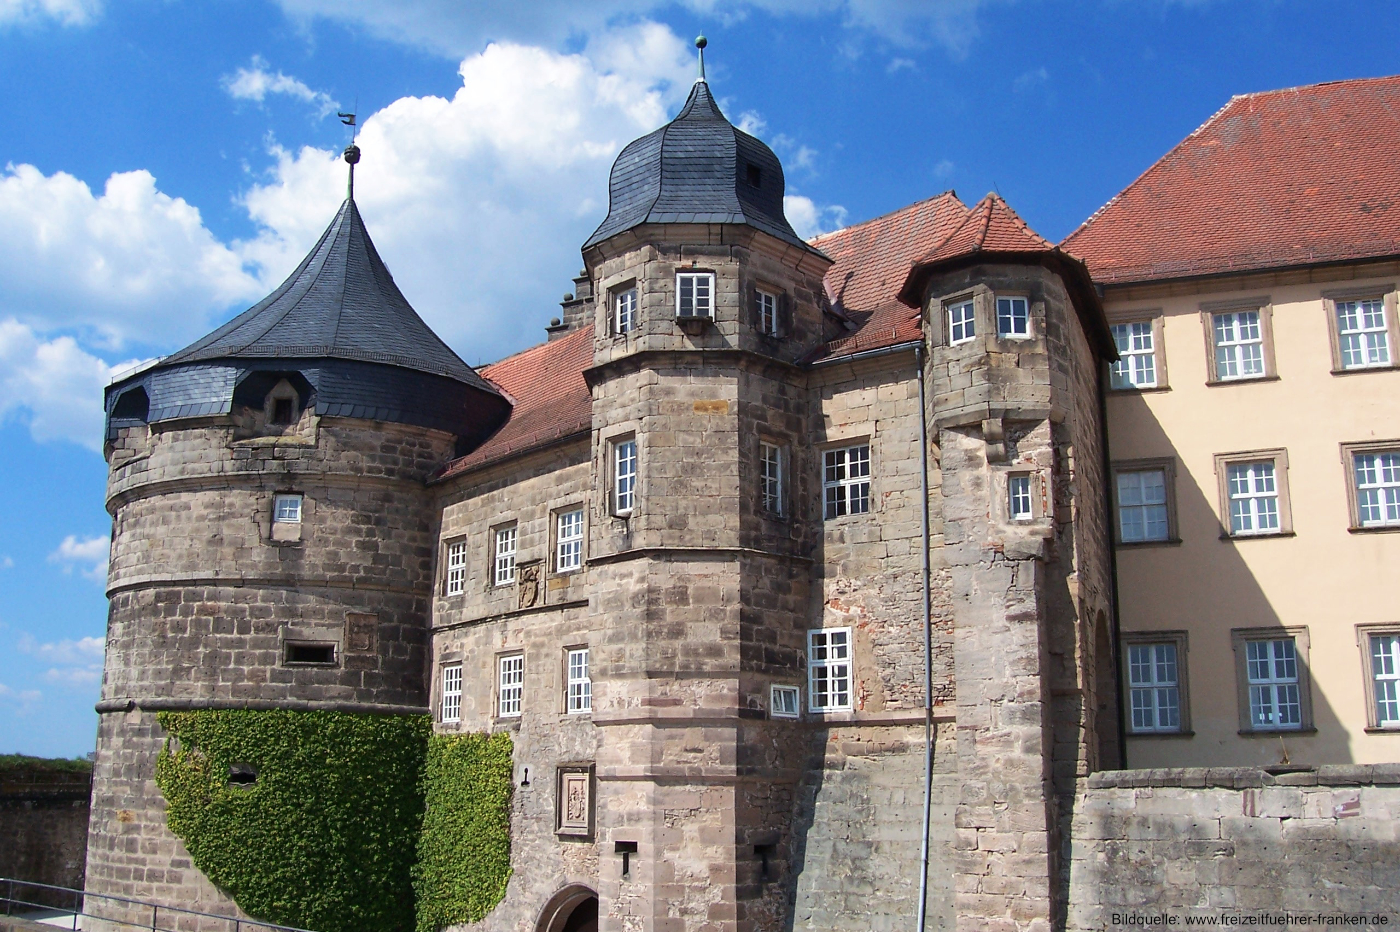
[(166, 163)]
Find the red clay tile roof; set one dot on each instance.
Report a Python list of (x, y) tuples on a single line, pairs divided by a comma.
[(991, 226), (1297, 176), (552, 401), (872, 260)]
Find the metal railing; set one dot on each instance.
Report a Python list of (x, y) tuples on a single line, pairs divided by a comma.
[(162, 918)]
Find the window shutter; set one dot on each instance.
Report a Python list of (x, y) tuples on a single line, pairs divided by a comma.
[(784, 314)]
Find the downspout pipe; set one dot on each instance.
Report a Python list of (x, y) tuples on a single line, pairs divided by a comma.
[(1114, 652), (928, 643)]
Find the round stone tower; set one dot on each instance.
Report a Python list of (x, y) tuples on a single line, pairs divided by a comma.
[(273, 538)]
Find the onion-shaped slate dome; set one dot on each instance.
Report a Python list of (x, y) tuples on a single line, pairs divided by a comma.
[(699, 168), (340, 331)]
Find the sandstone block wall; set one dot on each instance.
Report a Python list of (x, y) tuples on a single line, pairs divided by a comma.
[(1211, 842)]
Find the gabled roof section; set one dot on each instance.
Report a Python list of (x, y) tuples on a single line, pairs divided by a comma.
[(872, 259), (339, 303), (991, 226), (697, 169), (552, 400), (1299, 176)]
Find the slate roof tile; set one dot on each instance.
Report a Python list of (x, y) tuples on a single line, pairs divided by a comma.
[(1296, 176)]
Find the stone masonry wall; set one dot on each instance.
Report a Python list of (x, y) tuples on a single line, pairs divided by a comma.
[(1217, 843), (43, 822)]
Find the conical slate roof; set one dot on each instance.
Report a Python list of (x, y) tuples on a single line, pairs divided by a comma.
[(698, 168), (340, 303)]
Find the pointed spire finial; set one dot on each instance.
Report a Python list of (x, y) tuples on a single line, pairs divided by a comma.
[(352, 153), (700, 43)]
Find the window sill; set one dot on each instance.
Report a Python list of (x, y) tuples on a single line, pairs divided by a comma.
[(1216, 383), (1270, 536), (1161, 734), (1276, 732), (1359, 370), (1378, 529), (1139, 390), (1147, 544), (694, 324), (1382, 730)]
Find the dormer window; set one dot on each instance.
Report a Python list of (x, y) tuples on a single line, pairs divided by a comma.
[(281, 410), (695, 295), (754, 175)]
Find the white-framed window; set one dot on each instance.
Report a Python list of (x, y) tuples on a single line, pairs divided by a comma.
[(1018, 489), (624, 310), (1142, 506), (829, 669), (1239, 345), (1013, 318), (1154, 688), (846, 481), (1253, 491), (286, 508), (451, 693), (1136, 366), (580, 686), (961, 324), (770, 463), (1362, 335), (510, 684), (456, 567), (624, 470), (785, 701), (503, 565), (1377, 476), (1385, 679), (695, 294), (767, 312), (568, 541), (1275, 700)]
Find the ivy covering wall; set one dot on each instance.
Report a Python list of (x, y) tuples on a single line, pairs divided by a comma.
[(316, 819), (464, 849), (307, 819)]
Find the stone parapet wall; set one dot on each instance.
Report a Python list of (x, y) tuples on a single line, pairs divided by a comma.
[(1214, 841)]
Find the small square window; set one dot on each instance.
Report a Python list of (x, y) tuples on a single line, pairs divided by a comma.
[(1143, 496), (1019, 493), (1272, 671), (962, 326), (568, 546), (785, 701), (1254, 493), (510, 685), (695, 294), (456, 568), (281, 411), (624, 310), (624, 470), (846, 481), (451, 703), (1013, 318), (829, 669), (503, 568), (767, 310), (286, 508), (1239, 335), (770, 459), (580, 686)]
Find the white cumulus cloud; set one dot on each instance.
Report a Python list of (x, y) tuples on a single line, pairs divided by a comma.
[(255, 82), (809, 219), (66, 12), (24, 698), (88, 554), (75, 662)]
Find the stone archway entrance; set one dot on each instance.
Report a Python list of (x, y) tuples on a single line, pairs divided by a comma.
[(573, 909)]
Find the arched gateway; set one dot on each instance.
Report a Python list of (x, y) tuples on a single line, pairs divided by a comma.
[(572, 909)]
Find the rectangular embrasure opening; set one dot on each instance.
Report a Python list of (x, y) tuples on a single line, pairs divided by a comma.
[(302, 652)]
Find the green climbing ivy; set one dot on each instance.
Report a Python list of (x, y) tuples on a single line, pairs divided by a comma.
[(321, 831), (464, 849)]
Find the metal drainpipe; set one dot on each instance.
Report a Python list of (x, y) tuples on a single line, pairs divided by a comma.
[(928, 646), (1110, 517)]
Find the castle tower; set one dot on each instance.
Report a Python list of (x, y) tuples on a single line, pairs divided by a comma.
[(273, 538), (701, 541)]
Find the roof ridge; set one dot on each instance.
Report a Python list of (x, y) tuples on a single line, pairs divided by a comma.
[(890, 213)]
